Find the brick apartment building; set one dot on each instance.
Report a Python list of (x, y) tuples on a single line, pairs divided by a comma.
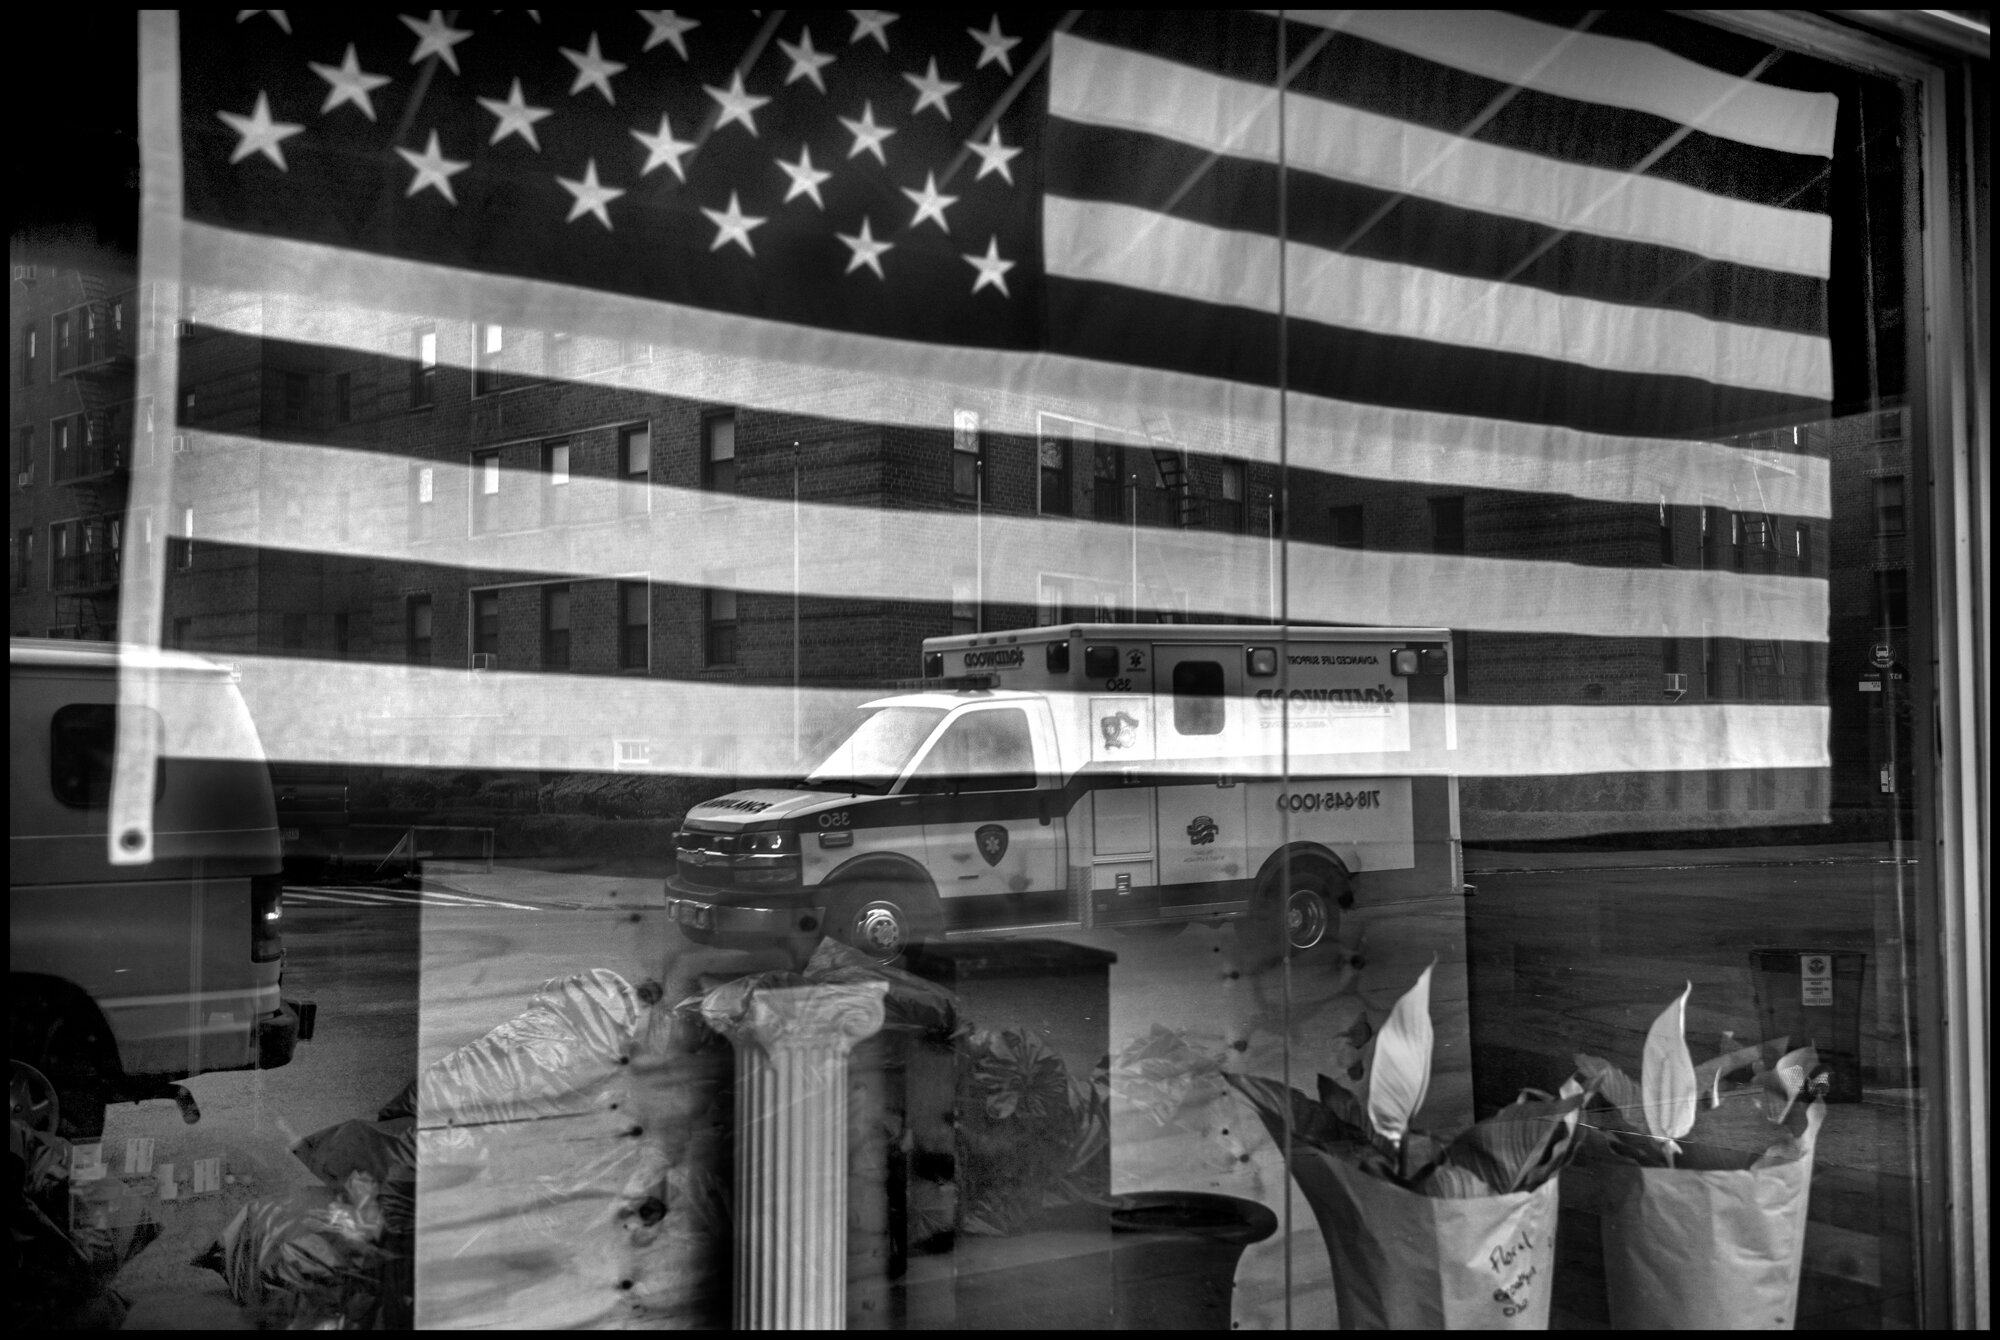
[(492, 436)]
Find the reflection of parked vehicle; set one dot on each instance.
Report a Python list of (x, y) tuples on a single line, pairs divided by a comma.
[(312, 815), (1104, 775), (126, 979)]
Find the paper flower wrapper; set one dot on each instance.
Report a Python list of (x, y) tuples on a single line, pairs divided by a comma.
[(1702, 1189)]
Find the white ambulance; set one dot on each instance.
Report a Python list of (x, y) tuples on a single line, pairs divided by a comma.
[(1096, 775)]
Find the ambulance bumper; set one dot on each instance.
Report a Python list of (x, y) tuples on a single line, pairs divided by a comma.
[(707, 922)]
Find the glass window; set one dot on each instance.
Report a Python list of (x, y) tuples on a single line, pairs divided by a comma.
[(343, 397), (423, 367), (555, 628), (1199, 708), (1107, 481), (990, 750), (965, 453), (417, 629), (555, 481), (486, 623), (635, 626), (1447, 525), (1054, 454), (485, 492), (720, 643), (83, 752), (635, 465), (1889, 505), (718, 454), (1345, 523)]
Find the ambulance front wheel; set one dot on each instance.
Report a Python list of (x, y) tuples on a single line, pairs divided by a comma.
[(883, 921)]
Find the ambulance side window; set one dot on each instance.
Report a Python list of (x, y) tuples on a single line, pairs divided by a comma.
[(990, 750), (1198, 698)]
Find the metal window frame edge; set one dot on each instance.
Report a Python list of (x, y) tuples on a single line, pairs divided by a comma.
[(1955, 402)]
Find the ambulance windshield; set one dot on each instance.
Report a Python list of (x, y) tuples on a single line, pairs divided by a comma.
[(875, 753)]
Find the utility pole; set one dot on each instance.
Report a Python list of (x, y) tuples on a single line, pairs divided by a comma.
[(796, 723)]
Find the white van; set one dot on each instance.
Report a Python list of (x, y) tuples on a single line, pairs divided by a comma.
[(126, 979), (1101, 775)]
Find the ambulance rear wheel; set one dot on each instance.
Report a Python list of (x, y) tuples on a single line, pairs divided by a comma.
[(1302, 921), (883, 921)]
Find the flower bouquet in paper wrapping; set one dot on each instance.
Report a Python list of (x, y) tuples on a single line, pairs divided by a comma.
[(1703, 1186), (1426, 1233)]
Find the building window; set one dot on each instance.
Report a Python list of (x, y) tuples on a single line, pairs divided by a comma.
[(65, 344), (1802, 546), (1053, 451), (417, 630), (1346, 525), (1889, 505), (555, 627), (1107, 482), (718, 453), (487, 353), (1666, 534), (720, 618), (1230, 516), (423, 502), (295, 389), (485, 492), (555, 482), (1447, 525), (635, 468), (340, 642), (560, 348), (182, 634), (1892, 599), (24, 560), (343, 397), (183, 545), (965, 457), (486, 623), (24, 455), (294, 632), (423, 367), (30, 347), (635, 640)]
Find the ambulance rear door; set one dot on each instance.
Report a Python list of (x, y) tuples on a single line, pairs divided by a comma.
[(1200, 723)]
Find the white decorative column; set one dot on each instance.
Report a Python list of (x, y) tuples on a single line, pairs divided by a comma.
[(792, 1044)]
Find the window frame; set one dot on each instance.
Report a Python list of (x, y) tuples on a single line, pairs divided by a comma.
[(423, 367), (414, 604), (635, 494), (630, 633), (719, 647), (714, 478), (556, 640)]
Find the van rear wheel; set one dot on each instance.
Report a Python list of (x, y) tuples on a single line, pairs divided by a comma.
[(884, 920), (68, 1051)]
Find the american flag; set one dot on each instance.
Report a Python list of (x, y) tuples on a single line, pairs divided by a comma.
[(1564, 256)]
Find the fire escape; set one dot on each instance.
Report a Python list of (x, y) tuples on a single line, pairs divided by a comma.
[(91, 456)]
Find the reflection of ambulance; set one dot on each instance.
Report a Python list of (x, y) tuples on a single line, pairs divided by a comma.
[(1102, 775)]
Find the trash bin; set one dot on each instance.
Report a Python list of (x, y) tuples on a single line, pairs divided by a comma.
[(1174, 1254), (1813, 996)]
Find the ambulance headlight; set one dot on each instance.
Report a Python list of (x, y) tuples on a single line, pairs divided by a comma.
[(765, 843)]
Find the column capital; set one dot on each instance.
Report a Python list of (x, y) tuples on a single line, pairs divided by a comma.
[(778, 1018)]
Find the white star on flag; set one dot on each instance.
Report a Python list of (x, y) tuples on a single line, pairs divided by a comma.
[(591, 198), (663, 148), (347, 82), (592, 69), (867, 251), (732, 225), (736, 103), (261, 135), (668, 27), (867, 135), (930, 205), (872, 23), (435, 37), (994, 46), (806, 63), (516, 117), (805, 177), (932, 91), (993, 156), (433, 169), (277, 17), (992, 270)]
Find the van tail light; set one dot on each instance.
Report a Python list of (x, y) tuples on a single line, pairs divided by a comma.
[(267, 907)]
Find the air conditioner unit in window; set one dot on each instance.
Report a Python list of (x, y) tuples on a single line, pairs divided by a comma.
[(180, 444), (183, 330), (1675, 688), (24, 274), (485, 660), (23, 479)]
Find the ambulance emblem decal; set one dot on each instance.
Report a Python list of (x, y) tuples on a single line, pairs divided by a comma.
[(1201, 830), (1120, 730), (992, 839)]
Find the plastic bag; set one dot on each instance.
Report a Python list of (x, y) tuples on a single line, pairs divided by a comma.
[(553, 1060), (311, 1258)]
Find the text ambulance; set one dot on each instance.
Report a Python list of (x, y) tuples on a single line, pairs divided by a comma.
[(1102, 775)]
